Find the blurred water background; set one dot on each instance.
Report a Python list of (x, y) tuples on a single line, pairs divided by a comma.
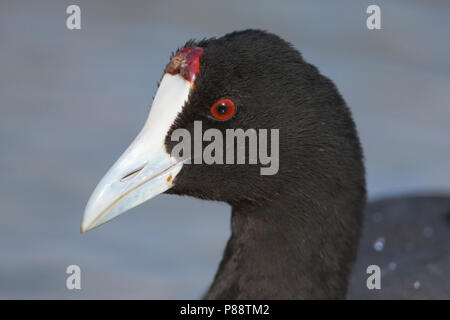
[(71, 101)]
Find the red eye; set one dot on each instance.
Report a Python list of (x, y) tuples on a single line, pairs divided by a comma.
[(223, 109)]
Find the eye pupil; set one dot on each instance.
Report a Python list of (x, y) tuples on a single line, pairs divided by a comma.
[(222, 108)]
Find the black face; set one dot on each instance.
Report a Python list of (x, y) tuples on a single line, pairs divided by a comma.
[(271, 87)]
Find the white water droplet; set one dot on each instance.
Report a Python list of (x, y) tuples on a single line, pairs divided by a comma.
[(392, 266), (416, 284), (379, 244)]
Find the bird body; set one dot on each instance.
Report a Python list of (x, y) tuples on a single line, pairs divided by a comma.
[(295, 233)]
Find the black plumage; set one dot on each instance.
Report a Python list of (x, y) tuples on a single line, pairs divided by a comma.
[(294, 234)]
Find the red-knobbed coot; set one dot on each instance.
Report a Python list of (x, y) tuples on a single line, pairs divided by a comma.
[(294, 234)]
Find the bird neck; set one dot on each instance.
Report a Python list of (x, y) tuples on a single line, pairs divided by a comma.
[(286, 249)]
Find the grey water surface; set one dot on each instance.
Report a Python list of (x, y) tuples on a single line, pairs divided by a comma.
[(71, 101)]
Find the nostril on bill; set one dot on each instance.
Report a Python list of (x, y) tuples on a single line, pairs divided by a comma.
[(132, 174)]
